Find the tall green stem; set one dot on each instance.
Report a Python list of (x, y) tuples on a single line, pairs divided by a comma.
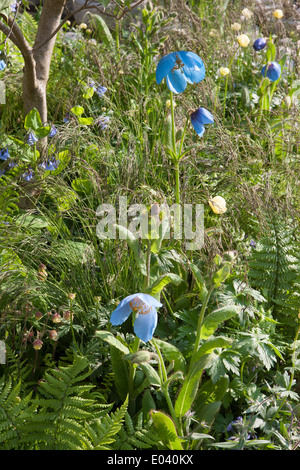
[(164, 377), (199, 325), (131, 405), (175, 158)]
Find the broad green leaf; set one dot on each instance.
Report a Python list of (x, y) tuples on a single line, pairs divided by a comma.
[(77, 110), (212, 343), (190, 386), (102, 28), (213, 320), (166, 430), (110, 338), (33, 120), (88, 94), (85, 121), (162, 281), (171, 353), (222, 274), (151, 374), (5, 4), (200, 281), (42, 132), (120, 370), (81, 185)]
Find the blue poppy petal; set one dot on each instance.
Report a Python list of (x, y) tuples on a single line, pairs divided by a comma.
[(204, 116), (165, 66), (123, 310), (193, 68), (144, 325), (197, 125), (120, 314), (149, 300), (176, 81)]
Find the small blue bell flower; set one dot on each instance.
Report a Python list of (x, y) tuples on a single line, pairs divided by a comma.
[(200, 117)]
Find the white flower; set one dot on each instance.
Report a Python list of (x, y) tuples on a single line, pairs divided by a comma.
[(247, 13)]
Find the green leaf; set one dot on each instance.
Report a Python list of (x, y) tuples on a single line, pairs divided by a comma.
[(120, 370), (81, 185), (88, 94), (85, 121), (42, 132), (110, 338), (5, 4), (151, 374), (200, 281), (271, 51), (33, 120), (101, 27), (162, 281), (211, 344), (212, 321), (222, 274), (171, 353), (166, 430), (77, 110), (190, 386)]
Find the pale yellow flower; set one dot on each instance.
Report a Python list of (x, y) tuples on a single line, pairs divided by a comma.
[(223, 71), (218, 204), (243, 40), (236, 26), (168, 104), (247, 13), (82, 26), (278, 14)]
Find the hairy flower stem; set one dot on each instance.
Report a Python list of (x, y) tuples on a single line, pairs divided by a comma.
[(71, 327), (199, 325), (164, 387), (132, 397), (175, 158)]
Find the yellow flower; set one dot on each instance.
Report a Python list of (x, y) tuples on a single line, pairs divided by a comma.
[(223, 71), (168, 104), (218, 204), (243, 40), (236, 26), (37, 344), (278, 14), (71, 296), (82, 26), (247, 13)]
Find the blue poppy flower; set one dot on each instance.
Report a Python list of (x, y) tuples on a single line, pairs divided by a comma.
[(13, 7), (200, 117), (144, 307), (272, 70), (4, 154), (31, 138), (179, 69), (2, 65), (259, 44)]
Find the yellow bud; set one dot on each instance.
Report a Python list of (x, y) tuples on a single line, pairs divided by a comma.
[(218, 204), (223, 71), (236, 26), (82, 26), (243, 40), (278, 14), (71, 296)]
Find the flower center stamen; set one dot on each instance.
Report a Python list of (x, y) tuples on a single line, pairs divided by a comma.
[(138, 306)]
